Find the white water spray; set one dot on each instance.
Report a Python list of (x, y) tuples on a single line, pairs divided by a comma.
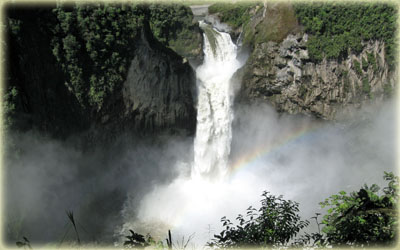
[(214, 110), (194, 204), (184, 204)]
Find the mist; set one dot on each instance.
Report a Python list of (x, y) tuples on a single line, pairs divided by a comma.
[(145, 183), (303, 159), (325, 158), (44, 178)]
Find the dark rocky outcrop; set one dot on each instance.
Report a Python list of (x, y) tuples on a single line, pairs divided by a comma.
[(43, 101), (155, 98), (158, 92)]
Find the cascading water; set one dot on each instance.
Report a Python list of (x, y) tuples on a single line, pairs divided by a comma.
[(183, 204), (214, 109)]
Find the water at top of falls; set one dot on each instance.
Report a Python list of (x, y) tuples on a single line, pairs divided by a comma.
[(214, 108)]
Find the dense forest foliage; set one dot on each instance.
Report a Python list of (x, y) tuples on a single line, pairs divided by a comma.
[(173, 25), (235, 15), (93, 44), (336, 27)]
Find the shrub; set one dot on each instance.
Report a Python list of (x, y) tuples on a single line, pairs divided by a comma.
[(372, 60), (364, 64), (363, 218), (273, 224), (9, 106), (357, 67), (314, 49), (136, 240), (366, 88), (346, 81), (387, 90)]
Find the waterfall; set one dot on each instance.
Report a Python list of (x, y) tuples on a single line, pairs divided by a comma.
[(183, 204), (214, 108)]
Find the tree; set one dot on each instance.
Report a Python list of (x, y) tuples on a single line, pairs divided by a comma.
[(347, 26), (363, 218), (273, 224), (93, 45)]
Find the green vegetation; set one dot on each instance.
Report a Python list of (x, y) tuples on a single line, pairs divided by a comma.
[(357, 67), (359, 219), (14, 25), (336, 27), (366, 87), (302, 91), (136, 240), (9, 106), (25, 243), (346, 85), (210, 33), (387, 90), (274, 223), (93, 44), (363, 218), (364, 64), (280, 22), (346, 81), (372, 60), (75, 57), (165, 16), (366, 218), (172, 25), (235, 15)]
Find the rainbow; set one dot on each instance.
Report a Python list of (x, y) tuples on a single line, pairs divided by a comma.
[(264, 150)]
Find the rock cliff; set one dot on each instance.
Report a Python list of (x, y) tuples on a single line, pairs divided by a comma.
[(280, 72), (155, 96), (43, 101), (157, 93), (282, 75)]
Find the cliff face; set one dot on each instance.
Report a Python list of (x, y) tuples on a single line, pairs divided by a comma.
[(155, 97), (43, 102), (280, 72), (157, 93), (283, 75)]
